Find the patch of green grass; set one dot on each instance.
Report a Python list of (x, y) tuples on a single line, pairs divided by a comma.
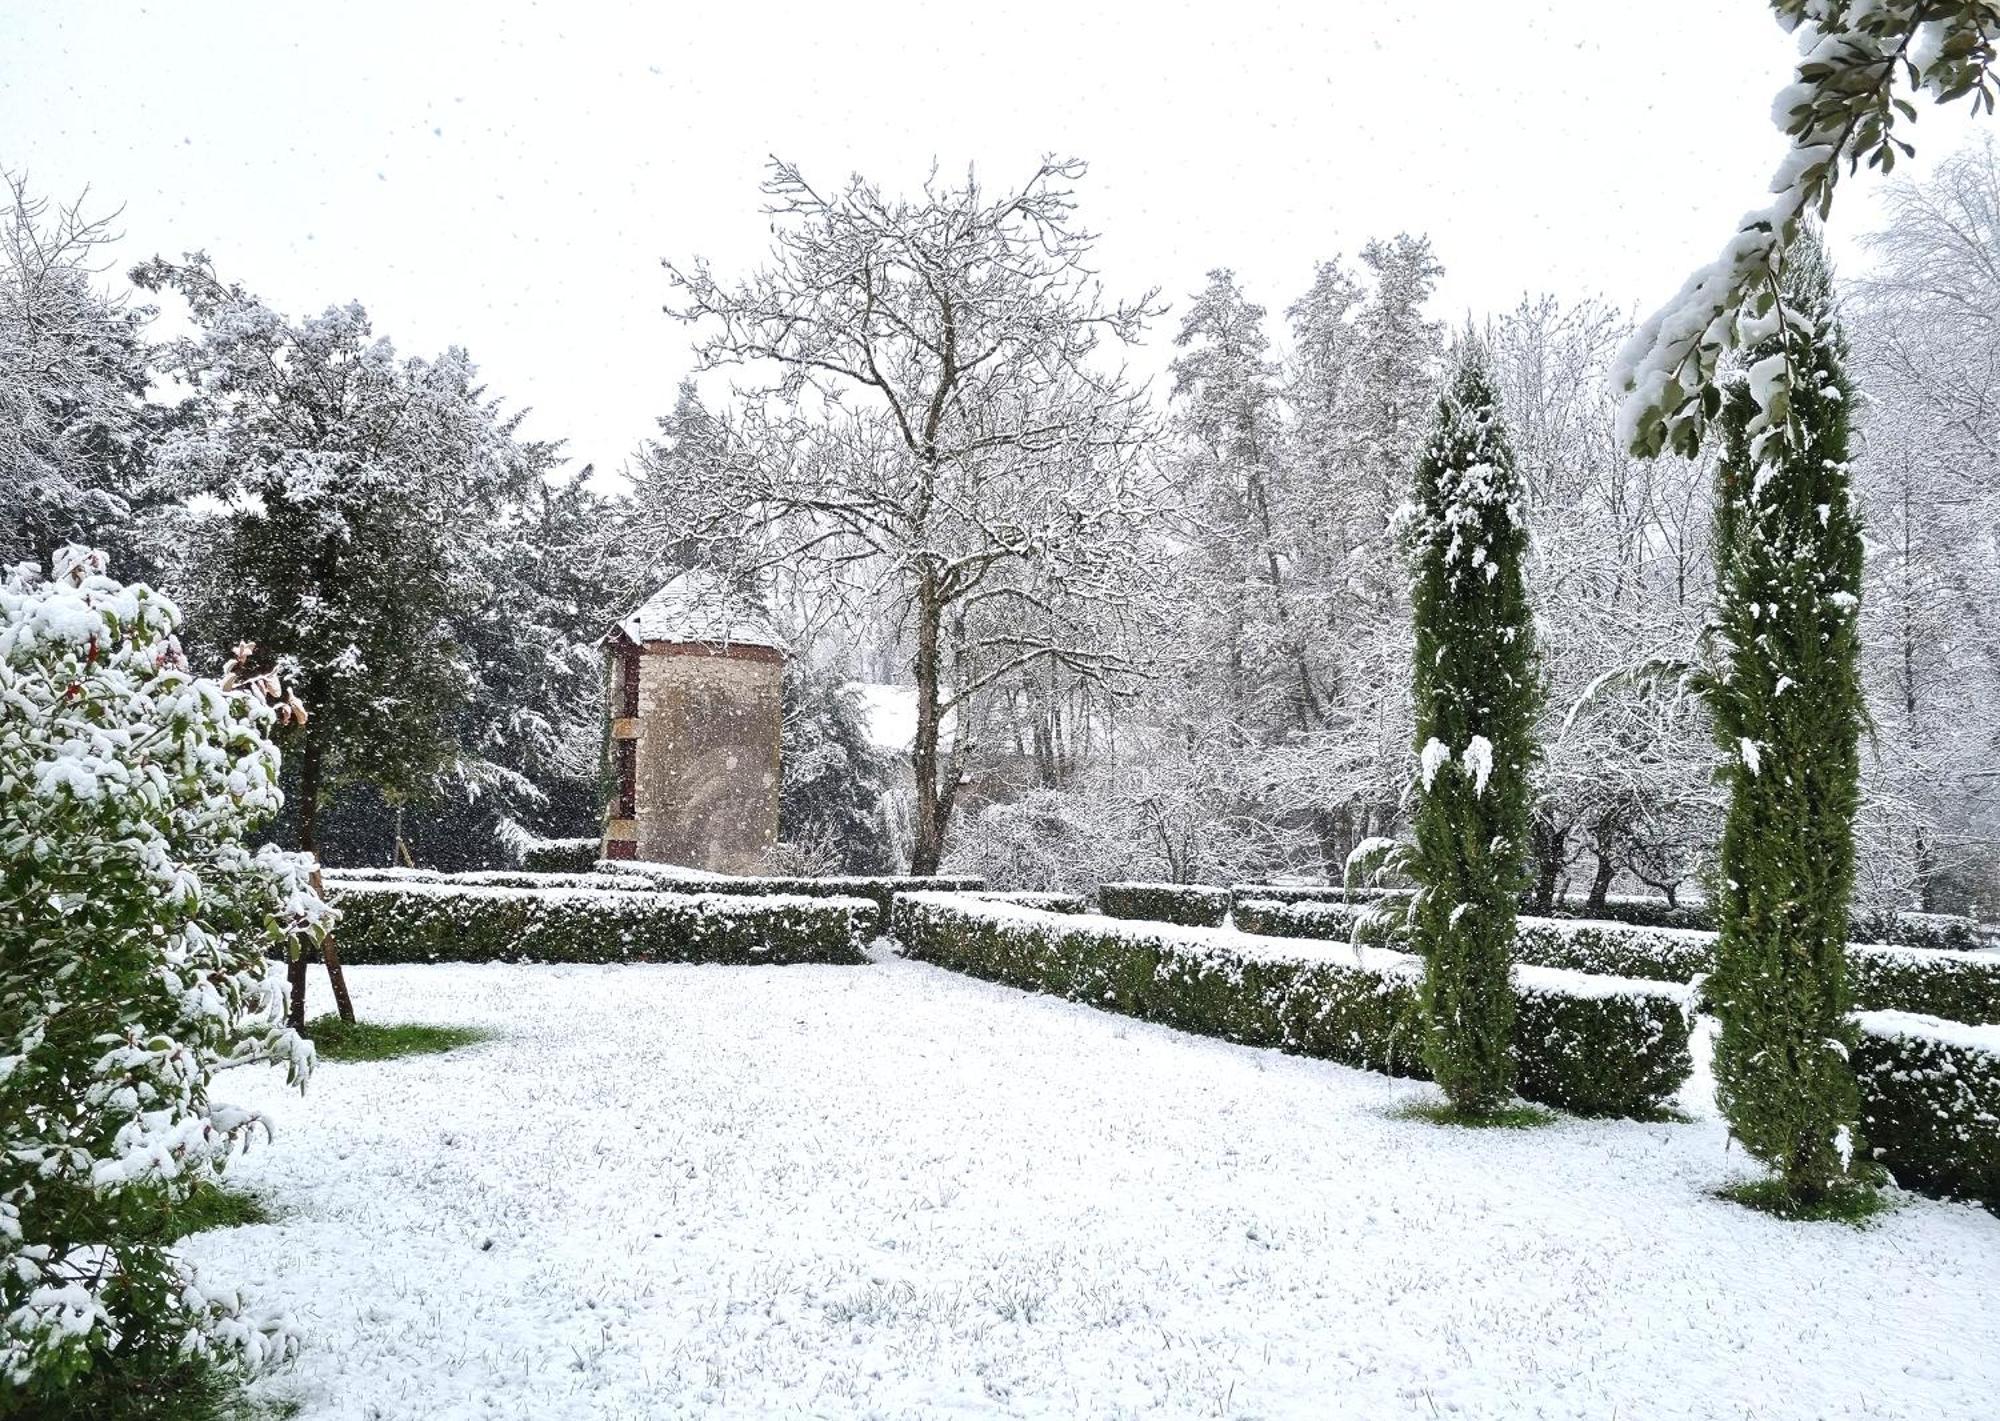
[(1443, 1112), (182, 1389), (1854, 1205), (338, 1040), (207, 1206)]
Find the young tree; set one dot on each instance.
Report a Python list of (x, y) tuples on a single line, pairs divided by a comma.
[(359, 493), (1786, 700), (135, 927), (1476, 688), (943, 438)]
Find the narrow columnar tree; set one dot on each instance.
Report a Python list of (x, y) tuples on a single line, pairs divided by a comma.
[(1786, 697), (1476, 693)]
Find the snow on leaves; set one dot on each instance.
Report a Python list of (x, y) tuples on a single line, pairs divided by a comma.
[(134, 926), (1842, 104)]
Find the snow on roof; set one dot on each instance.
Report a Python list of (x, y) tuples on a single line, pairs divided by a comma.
[(699, 606)]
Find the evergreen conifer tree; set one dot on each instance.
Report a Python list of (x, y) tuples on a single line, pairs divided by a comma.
[(1786, 698), (1476, 693)]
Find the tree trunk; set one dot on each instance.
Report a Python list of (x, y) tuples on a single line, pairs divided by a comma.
[(928, 848), (1549, 843), (309, 777), (1600, 883)]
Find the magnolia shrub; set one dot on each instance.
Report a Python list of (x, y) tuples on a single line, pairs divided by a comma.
[(135, 927)]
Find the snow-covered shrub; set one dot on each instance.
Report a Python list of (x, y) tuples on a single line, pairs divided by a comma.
[(560, 855), (1030, 898), (1185, 904), (880, 890), (1594, 1045), (1476, 689), (1930, 1101), (1941, 930), (134, 931), (487, 878), (1959, 986), (450, 922), (1313, 893)]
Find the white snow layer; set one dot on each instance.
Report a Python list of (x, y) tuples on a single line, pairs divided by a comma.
[(699, 606), (894, 1192)]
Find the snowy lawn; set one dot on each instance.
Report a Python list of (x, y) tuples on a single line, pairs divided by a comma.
[(889, 1191)]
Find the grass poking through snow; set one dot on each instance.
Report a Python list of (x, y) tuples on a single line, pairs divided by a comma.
[(338, 1040), (1856, 1206), (1441, 1112)]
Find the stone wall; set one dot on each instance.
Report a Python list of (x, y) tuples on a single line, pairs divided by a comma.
[(705, 758)]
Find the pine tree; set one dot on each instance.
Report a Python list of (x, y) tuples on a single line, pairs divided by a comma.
[(1787, 707), (1476, 693)]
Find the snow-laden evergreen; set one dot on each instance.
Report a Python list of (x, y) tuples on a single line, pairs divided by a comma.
[(1786, 701), (1476, 694), (134, 930)]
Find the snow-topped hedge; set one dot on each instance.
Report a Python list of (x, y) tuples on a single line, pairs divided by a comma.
[(1959, 986), (1933, 930), (1594, 1045), (453, 922), (1930, 1093), (560, 855), (489, 878), (1047, 902), (878, 890), (1185, 904)]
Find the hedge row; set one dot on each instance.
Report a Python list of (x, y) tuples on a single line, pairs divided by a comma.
[(488, 878), (432, 922), (1047, 902), (1957, 986), (880, 891), (1933, 930), (1596, 1046), (1189, 905), (1930, 1102), (560, 855)]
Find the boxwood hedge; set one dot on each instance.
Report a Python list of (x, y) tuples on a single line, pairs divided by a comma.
[(1185, 904), (432, 922), (560, 855), (1959, 986), (1597, 1046), (880, 891), (1930, 1102)]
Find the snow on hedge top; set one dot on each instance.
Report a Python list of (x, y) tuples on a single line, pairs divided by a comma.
[(1918, 1027), (621, 900), (1227, 944), (699, 606)]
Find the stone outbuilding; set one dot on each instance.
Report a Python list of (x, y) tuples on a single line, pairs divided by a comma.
[(694, 679)]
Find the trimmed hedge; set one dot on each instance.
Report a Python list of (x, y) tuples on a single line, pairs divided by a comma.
[(881, 891), (1958, 986), (1930, 1102), (488, 878), (432, 922), (1025, 898), (1311, 893), (561, 855), (1593, 1045), (1191, 905)]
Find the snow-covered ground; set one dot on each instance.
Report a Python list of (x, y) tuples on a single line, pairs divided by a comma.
[(888, 1191)]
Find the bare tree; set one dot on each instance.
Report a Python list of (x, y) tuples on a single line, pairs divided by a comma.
[(936, 433)]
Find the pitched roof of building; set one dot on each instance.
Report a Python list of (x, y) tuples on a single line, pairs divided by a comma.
[(699, 606)]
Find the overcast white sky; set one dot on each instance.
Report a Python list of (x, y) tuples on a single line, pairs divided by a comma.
[(508, 177)]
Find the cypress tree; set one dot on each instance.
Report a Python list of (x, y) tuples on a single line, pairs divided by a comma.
[(1786, 698), (1476, 695)]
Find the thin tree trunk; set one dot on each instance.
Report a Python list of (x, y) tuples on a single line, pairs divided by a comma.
[(928, 849), (309, 842)]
